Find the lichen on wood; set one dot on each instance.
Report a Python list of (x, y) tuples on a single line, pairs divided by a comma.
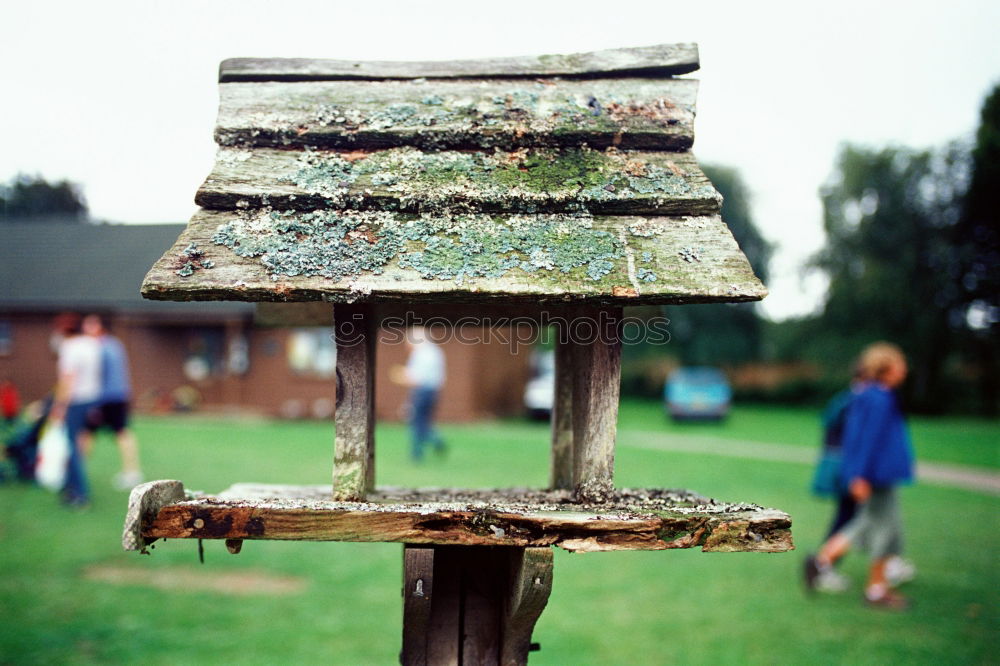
[(408, 179), (337, 245), (294, 256), (628, 113), (625, 519)]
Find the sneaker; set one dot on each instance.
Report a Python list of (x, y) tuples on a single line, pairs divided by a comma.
[(831, 580), (899, 570), (888, 600), (127, 480)]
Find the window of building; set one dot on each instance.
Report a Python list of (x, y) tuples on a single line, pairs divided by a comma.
[(6, 338), (311, 351)]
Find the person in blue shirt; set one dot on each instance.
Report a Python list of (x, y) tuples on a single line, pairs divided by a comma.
[(113, 407), (877, 457), (424, 374)]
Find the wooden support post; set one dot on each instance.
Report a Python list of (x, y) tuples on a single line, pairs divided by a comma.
[(418, 590), (354, 448), (596, 341), (472, 605), (562, 416), (528, 593)]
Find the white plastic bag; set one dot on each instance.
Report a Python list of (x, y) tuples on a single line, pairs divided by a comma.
[(53, 456)]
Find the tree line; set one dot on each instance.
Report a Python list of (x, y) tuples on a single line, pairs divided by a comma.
[(911, 255)]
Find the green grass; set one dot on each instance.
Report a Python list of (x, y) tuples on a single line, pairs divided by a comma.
[(957, 440), (655, 607)]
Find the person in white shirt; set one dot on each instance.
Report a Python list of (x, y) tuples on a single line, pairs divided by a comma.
[(425, 374), (78, 390)]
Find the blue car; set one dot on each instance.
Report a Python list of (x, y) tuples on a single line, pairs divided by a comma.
[(697, 393)]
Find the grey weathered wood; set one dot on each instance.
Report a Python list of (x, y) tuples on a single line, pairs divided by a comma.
[(472, 605), (418, 595), (444, 639), (596, 381), (354, 455), (658, 60), (562, 417), (310, 313), (621, 182), (640, 519), (528, 592), (655, 114), (144, 502), (694, 259), (317, 313), (484, 585)]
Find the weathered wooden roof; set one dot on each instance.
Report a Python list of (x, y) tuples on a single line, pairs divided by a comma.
[(528, 179), (660, 60)]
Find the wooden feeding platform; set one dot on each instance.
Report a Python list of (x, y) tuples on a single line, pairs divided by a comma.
[(556, 185), (630, 519)]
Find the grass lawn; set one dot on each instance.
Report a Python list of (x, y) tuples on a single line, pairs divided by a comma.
[(340, 603), (958, 440)]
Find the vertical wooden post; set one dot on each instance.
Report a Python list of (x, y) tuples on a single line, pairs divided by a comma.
[(597, 348), (562, 415), (472, 604), (354, 447), (418, 591)]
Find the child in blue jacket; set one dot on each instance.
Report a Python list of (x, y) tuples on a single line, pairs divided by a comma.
[(877, 457)]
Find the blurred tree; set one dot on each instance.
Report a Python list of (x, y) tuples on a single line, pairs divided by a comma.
[(978, 239), (725, 333), (893, 262), (33, 199)]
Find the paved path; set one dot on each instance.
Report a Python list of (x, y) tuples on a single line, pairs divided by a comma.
[(941, 474)]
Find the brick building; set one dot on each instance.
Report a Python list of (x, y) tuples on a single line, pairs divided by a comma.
[(232, 358)]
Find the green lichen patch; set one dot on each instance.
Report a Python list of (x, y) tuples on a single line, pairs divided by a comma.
[(192, 259), (519, 181), (342, 245)]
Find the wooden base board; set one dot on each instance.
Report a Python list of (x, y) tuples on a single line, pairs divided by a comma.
[(630, 519)]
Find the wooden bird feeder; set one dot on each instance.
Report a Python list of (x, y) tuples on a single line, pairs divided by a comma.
[(555, 184)]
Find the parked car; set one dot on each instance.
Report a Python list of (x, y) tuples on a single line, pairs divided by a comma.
[(539, 394), (697, 393)]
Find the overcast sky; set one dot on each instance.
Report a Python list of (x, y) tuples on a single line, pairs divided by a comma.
[(121, 96)]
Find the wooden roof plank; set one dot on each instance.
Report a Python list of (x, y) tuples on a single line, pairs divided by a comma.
[(658, 60), (411, 180), (639, 113), (642, 519), (347, 256)]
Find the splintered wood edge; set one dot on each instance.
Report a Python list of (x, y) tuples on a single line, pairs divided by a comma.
[(144, 503), (716, 528), (658, 60)]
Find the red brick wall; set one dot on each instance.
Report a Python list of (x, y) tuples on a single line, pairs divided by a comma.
[(483, 380)]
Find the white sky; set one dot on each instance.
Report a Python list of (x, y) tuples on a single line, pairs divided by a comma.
[(121, 96)]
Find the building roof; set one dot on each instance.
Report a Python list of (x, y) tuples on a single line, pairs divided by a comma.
[(77, 266), (532, 180)]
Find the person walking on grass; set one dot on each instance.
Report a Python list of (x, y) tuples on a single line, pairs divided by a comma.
[(877, 457), (828, 483), (424, 374), (78, 390), (112, 410)]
